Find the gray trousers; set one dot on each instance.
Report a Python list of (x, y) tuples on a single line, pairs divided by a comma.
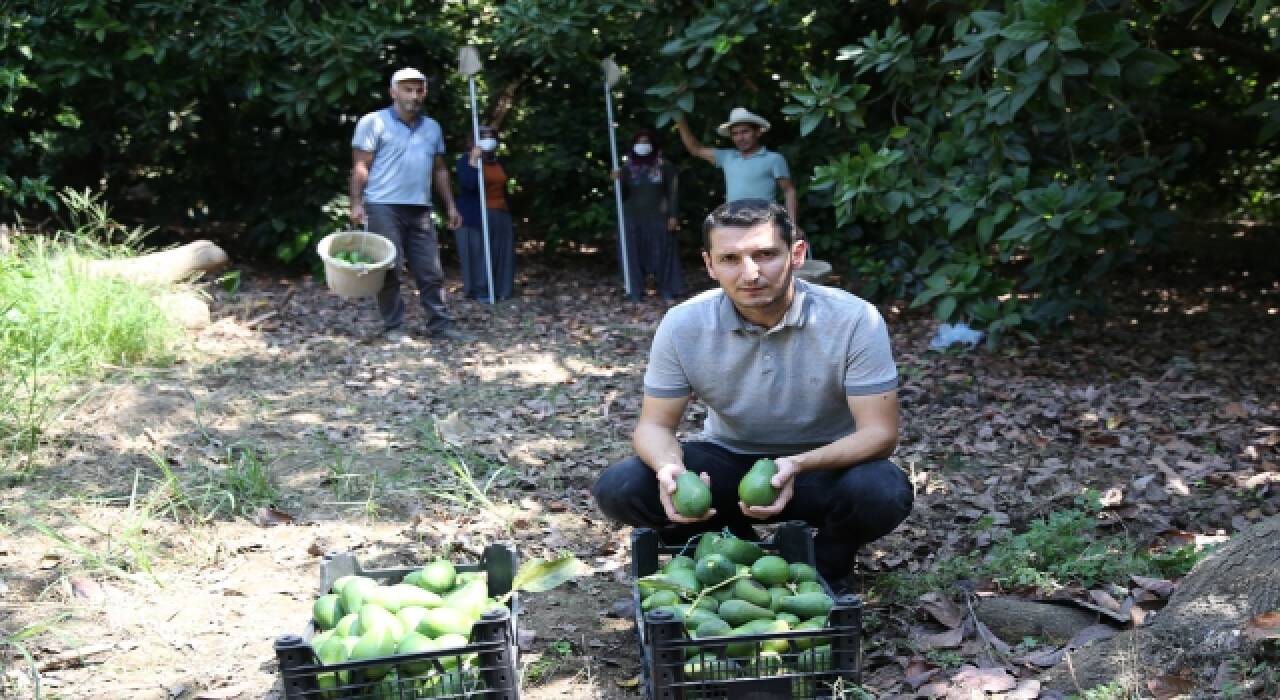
[(653, 250), (502, 247), (409, 227)]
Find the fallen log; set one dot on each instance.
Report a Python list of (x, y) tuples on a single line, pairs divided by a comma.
[(175, 265)]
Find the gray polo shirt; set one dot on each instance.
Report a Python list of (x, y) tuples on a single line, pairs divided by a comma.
[(753, 177), (403, 157), (780, 390)]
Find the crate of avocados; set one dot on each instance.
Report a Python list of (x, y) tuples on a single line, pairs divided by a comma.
[(438, 631), (721, 617)]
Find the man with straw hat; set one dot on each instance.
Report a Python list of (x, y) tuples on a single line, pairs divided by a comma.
[(751, 171), (397, 153)]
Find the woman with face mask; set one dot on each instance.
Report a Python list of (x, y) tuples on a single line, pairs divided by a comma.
[(470, 236), (649, 192)]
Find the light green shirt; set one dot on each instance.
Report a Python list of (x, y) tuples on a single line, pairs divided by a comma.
[(753, 177)]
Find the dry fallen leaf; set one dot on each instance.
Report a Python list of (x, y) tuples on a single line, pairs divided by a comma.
[(1028, 689), (941, 609), (267, 517), (1263, 626), (633, 682), (949, 639), (1159, 586), (1235, 409), (1167, 687), (990, 680), (919, 671), (87, 588)]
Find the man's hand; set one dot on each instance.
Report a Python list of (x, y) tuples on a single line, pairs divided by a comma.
[(455, 219), (784, 482), (357, 213), (673, 224), (667, 486)]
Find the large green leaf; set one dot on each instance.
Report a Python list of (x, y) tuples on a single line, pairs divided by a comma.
[(539, 575)]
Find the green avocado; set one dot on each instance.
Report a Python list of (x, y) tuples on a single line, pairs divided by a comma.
[(692, 498), (756, 487)]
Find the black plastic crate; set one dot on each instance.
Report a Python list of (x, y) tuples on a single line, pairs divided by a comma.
[(492, 649), (666, 647)]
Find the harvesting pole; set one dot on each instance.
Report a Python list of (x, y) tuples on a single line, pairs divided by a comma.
[(469, 65), (611, 77)]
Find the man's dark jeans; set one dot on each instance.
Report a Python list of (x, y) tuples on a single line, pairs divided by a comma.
[(414, 235), (849, 507)]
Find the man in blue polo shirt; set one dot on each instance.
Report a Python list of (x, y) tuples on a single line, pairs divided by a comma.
[(751, 171), (788, 370), (396, 153)]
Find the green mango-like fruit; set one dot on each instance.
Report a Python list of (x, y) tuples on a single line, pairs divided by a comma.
[(756, 487), (438, 576), (440, 621), (326, 611), (414, 643), (707, 542), (771, 570), (679, 561), (807, 605), (659, 599), (739, 551), (752, 592), (739, 612), (354, 592), (800, 572), (714, 569), (348, 626), (692, 497)]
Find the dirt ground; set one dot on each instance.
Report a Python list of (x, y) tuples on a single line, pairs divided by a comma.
[(137, 544)]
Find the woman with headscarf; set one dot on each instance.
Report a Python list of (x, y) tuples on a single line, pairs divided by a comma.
[(649, 192), (470, 236)]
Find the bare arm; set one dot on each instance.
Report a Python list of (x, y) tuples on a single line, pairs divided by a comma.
[(691, 143), (655, 443), (444, 187), (876, 436), (789, 197), (360, 162)]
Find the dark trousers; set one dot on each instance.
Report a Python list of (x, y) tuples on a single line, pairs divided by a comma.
[(414, 235), (849, 507)]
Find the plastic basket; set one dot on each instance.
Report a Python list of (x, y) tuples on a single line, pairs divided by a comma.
[(816, 271), (356, 279), (665, 646), (492, 674)]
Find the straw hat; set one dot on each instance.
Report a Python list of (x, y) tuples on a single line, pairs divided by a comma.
[(740, 115)]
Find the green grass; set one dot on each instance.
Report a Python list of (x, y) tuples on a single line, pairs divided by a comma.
[(59, 324), (19, 643), (1066, 548)]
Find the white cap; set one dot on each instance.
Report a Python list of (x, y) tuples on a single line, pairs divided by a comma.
[(407, 74)]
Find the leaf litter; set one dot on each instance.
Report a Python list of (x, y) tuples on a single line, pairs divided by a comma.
[(1174, 421)]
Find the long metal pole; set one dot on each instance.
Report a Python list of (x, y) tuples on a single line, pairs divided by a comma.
[(617, 189), (484, 208)]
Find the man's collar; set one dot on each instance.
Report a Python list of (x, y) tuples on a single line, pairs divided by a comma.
[(795, 316), (758, 152), (395, 114)]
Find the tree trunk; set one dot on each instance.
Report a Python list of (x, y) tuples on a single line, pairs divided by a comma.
[(167, 266), (1199, 629)]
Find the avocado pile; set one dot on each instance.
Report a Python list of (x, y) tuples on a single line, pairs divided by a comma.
[(431, 609), (730, 588), (353, 257)]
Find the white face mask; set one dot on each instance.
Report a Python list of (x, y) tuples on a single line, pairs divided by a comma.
[(489, 145), (642, 149)]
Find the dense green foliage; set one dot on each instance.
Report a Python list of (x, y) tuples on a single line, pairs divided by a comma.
[(995, 161)]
